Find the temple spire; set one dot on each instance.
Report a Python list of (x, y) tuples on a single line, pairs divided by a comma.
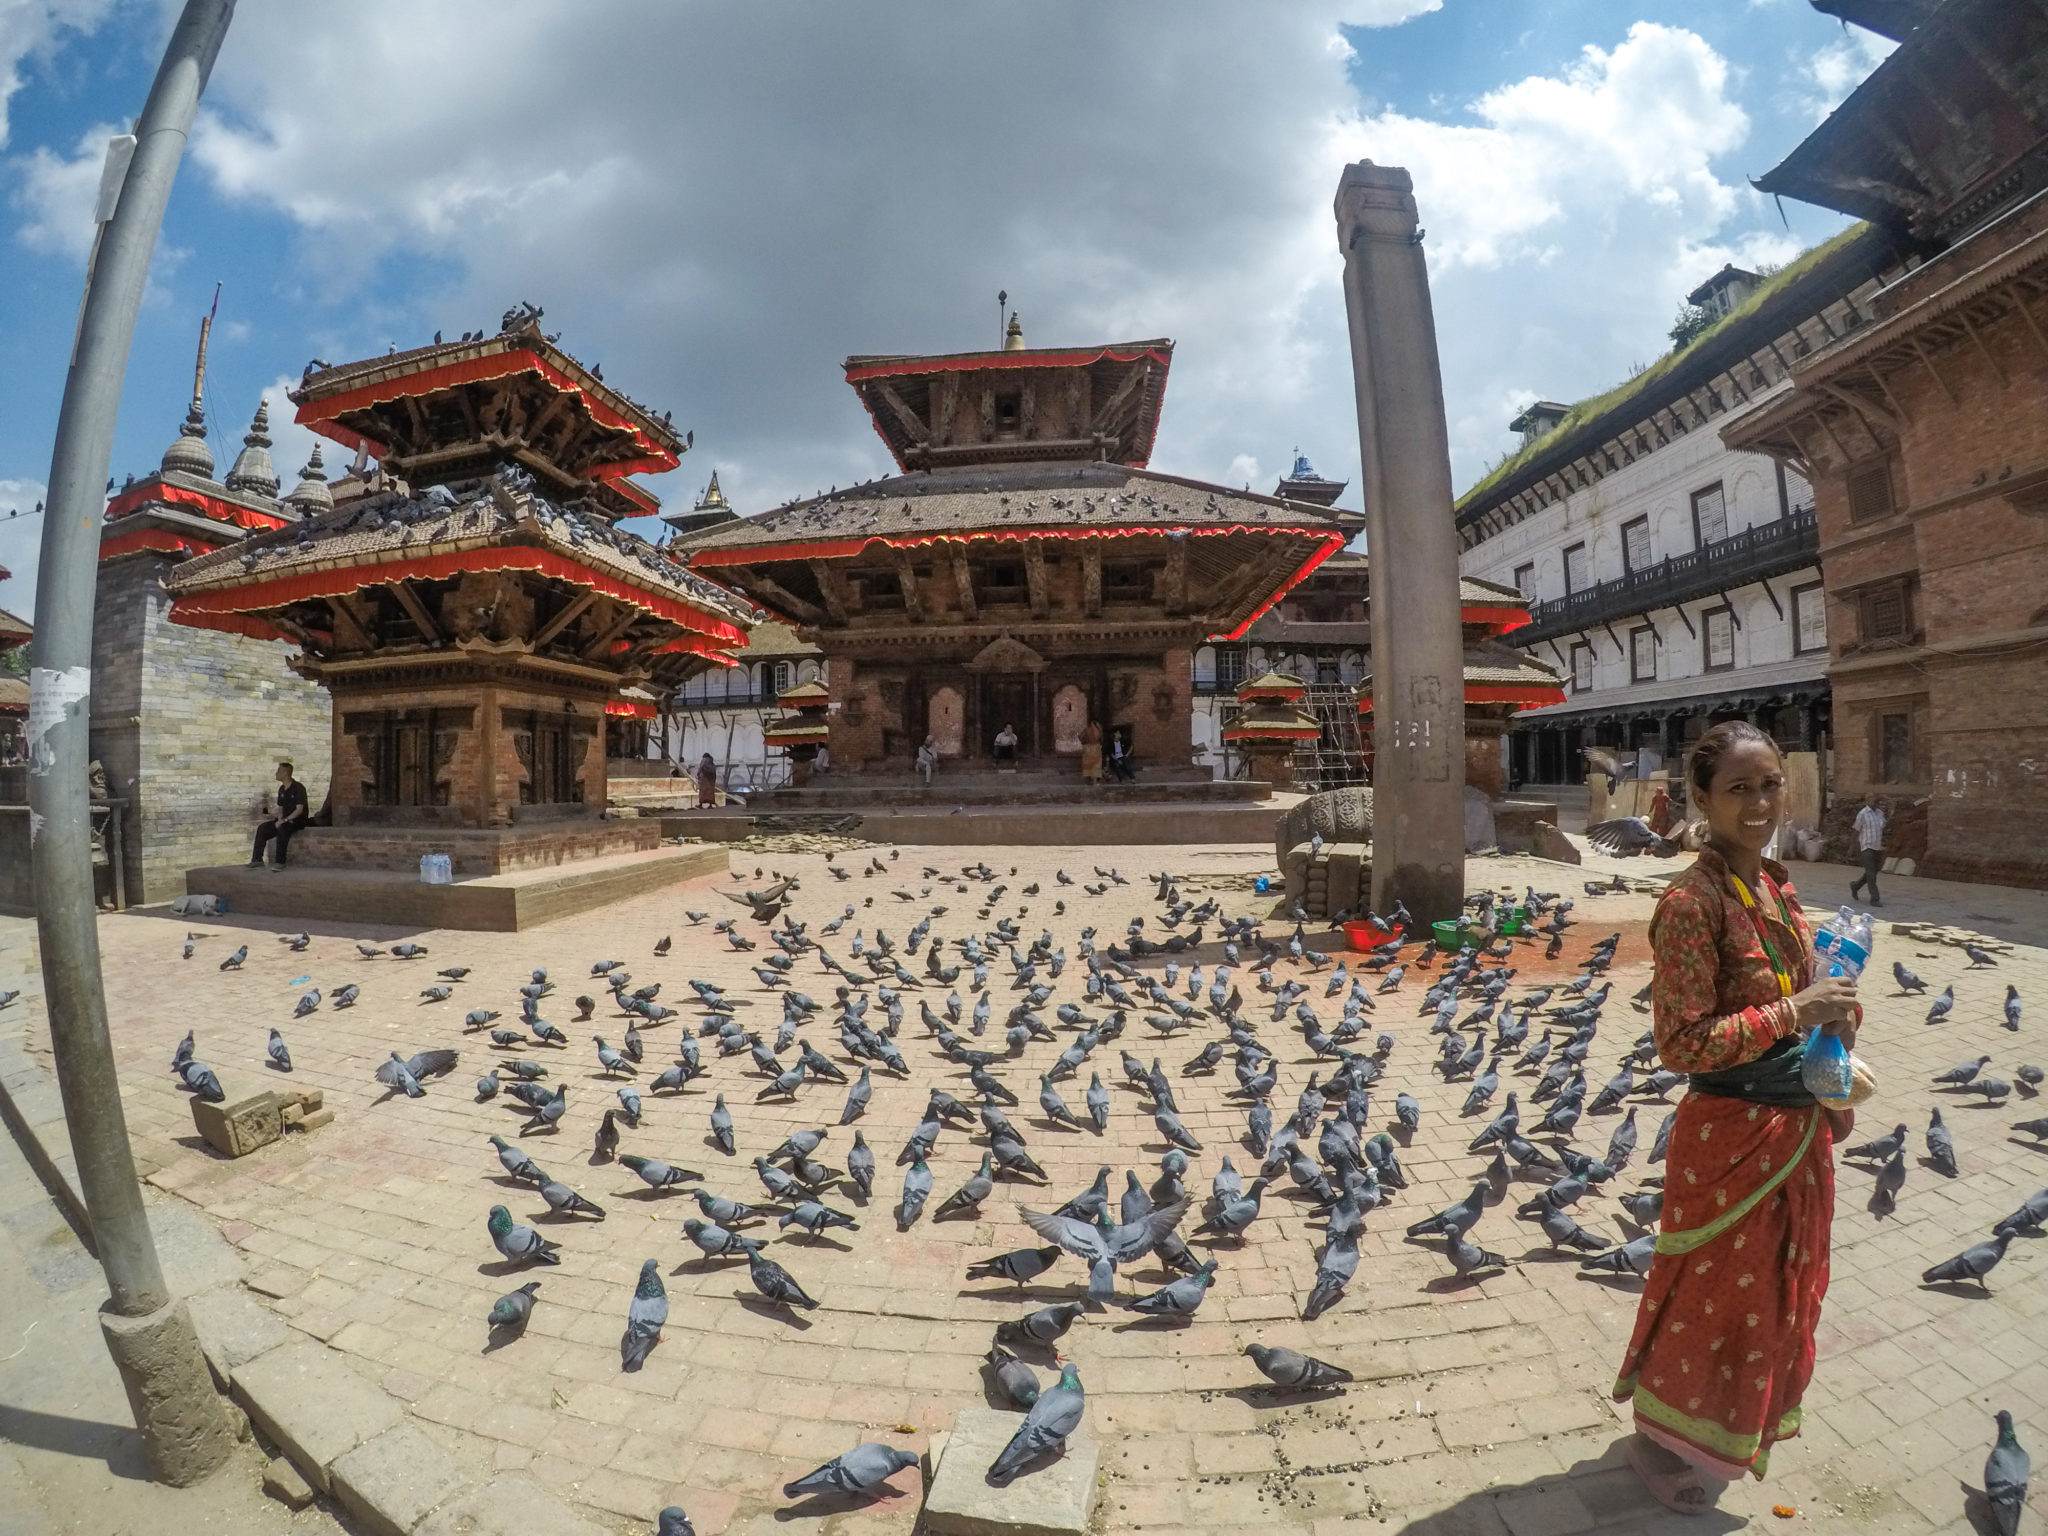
[(1013, 338), (311, 495), (188, 453), (253, 472)]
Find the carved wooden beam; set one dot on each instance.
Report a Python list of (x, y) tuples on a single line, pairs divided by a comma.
[(1105, 415), (1034, 573), (563, 620), (906, 578), (963, 585), (833, 586), (759, 583), (1173, 587), (1091, 578), (601, 642), (915, 424), (416, 610), (351, 630)]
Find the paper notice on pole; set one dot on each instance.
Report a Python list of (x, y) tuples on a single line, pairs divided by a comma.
[(50, 695)]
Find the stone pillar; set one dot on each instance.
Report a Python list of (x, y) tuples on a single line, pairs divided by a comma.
[(1417, 641)]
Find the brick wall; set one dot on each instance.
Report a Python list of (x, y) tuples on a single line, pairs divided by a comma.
[(190, 724)]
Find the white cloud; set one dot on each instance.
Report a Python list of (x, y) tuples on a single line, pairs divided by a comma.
[(724, 210), (31, 29), (56, 194), (1840, 65), (21, 544)]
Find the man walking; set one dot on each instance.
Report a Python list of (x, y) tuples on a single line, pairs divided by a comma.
[(1869, 846)]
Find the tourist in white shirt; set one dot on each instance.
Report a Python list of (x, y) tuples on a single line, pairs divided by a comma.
[(1869, 846)]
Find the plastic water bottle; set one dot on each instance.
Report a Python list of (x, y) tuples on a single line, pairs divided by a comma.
[(1844, 942)]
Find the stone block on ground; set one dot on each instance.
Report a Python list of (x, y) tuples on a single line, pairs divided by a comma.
[(251, 1116), (312, 1406), (1054, 1498), (286, 1484), (510, 1504), (1546, 842), (389, 1483), (234, 1328)]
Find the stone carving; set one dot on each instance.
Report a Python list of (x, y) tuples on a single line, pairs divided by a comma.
[(1006, 653), (946, 715), (1341, 815)]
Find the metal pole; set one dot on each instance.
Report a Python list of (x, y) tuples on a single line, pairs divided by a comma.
[(185, 1427), (1418, 672)]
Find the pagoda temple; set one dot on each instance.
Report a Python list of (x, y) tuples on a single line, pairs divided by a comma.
[(1024, 569), (477, 615)]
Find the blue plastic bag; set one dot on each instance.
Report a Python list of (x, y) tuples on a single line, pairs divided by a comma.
[(1827, 1070)]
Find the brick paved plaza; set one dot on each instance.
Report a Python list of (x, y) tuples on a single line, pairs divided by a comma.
[(1479, 1407)]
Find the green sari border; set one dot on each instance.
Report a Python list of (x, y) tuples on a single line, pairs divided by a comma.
[(1737, 1450), (1699, 1237)]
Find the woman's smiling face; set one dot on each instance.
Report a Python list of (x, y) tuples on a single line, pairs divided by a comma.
[(1746, 801)]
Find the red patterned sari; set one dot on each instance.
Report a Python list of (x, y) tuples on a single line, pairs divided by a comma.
[(1724, 1339)]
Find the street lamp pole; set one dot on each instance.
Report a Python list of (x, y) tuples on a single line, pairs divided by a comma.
[(186, 1428)]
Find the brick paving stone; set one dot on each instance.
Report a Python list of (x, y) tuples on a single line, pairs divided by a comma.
[(369, 1233)]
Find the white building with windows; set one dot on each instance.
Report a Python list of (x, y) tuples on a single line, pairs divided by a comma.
[(1674, 581)]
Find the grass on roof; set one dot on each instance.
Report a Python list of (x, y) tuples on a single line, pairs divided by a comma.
[(1587, 410)]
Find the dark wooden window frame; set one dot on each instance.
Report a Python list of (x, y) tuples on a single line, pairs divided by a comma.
[(1699, 534), (1577, 549), (1635, 671), (1707, 616), (1819, 592), (1592, 659), (1628, 560)]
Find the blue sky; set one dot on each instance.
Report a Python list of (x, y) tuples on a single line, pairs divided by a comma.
[(754, 189)]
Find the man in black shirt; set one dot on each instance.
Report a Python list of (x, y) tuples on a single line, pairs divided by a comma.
[(290, 816)]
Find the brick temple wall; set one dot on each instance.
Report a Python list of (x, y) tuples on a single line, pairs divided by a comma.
[(1973, 675), (189, 724)]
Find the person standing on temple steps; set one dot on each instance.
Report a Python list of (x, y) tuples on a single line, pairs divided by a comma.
[(1869, 847), (282, 824)]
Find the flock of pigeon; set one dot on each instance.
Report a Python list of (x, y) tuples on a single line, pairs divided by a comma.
[(1489, 1034)]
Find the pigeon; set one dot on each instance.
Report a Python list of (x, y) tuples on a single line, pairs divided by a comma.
[(1882, 1149), (1564, 1232), (1170, 1127), (857, 1098), (1459, 1217), (917, 1188), (309, 1003), (861, 1470), (1019, 1266), (715, 1242), (1973, 1263), (2028, 1218), (1016, 1380), (1939, 1009), (1339, 1262), (1632, 1257), (564, 1201), (1891, 1178), (1469, 1258), (1041, 1327), (2006, 1471), (968, 1197), (721, 1126), (517, 1244), (1645, 1207), (657, 1174), (1908, 982), (1941, 1147), (234, 961), (1978, 956), (280, 1056), (513, 1308), (727, 1213), (404, 1073), (1179, 1298), (1101, 1246), (2012, 1006), (1056, 1414), (1285, 1368), (645, 1315), (775, 1283), (815, 1218), (673, 1521)]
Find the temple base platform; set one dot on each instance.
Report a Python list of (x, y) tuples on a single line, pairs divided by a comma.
[(507, 902)]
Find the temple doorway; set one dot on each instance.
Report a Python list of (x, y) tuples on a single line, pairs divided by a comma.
[(1006, 700)]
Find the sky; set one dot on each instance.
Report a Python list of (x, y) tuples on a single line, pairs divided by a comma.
[(720, 200)]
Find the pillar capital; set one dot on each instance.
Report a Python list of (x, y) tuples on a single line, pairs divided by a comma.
[(1375, 202)]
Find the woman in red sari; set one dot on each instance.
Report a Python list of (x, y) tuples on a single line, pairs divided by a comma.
[(1724, 1338)]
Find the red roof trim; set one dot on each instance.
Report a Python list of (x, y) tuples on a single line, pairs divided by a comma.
[(290, 589), (141, 494), (981, 362), (322, 415), (1499, 619), (839, 548), (1271, 732), (629, 709), (1528, 695), (1335, 542), (154, 538)]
